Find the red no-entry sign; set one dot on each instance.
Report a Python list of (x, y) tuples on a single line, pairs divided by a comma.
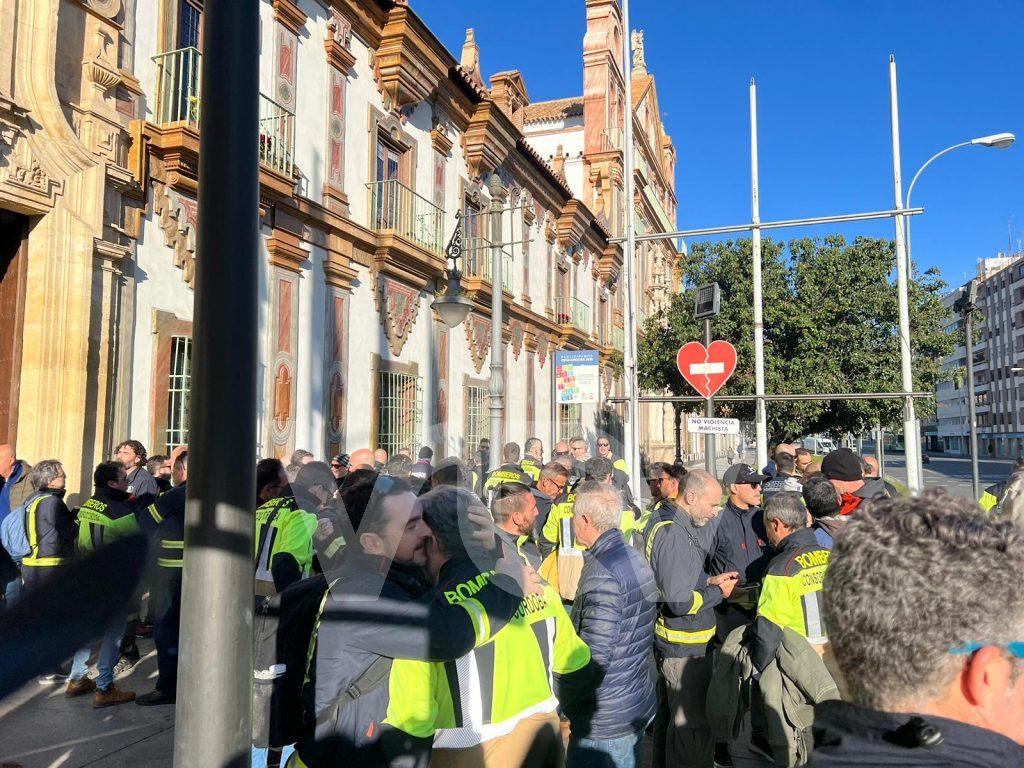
[(706, 368)]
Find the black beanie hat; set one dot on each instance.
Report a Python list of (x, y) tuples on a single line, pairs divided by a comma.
[(842, 464)]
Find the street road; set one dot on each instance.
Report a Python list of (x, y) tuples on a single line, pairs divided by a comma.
[(950, 472)]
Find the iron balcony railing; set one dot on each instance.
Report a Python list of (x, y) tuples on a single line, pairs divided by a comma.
[(478, 256), (396, 208), (572, 311), (177, 101), (277, 136), (177, 86)]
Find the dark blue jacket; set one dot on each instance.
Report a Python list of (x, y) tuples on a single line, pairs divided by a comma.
[(741, 544), (614, 613)]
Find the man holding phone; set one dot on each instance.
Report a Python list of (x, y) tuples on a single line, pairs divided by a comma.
[(677, 546), (741, 545)]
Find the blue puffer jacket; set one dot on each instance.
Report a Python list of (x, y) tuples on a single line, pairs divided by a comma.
[(614, 613)]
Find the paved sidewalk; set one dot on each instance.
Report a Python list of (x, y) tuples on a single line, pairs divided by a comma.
[(39, 728)]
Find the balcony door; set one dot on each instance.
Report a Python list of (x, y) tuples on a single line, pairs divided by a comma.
[(389, 191)]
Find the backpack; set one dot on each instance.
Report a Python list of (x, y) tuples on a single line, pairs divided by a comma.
[(284, 675), (14, 534)]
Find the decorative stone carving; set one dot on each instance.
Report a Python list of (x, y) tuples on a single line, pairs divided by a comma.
[(338, 43), (636, 40), (108, 9), (398, 307), (489, 138), (478, 334), (543, 348), (288, 13), (177, 217), (410, 63), (518, 333), (470, 58)]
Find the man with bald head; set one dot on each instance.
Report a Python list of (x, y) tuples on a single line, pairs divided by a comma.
[(361, 459), (13, 470), (677, 546), (380, 458)]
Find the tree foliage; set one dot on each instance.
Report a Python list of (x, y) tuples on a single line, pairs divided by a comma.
[(830, 325)]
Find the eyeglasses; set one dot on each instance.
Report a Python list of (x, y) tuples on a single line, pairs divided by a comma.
[(754, 485), (603, 445), (560, 453), (336, 466), (1015, 649)]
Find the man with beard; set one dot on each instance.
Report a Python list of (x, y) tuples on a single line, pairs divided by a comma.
[(381, 605), (496, 705)]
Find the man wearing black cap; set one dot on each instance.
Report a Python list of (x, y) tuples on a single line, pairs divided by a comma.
[(740, 544), (844, 470)]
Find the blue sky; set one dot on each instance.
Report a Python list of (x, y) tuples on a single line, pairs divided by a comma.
[(823, 103)]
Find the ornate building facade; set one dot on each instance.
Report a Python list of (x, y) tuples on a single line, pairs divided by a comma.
[(372, 137)]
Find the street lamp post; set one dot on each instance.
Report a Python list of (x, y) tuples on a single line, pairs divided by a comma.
[(997, 140), (911, 433)]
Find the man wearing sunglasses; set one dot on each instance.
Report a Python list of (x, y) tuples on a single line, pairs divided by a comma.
[(741, 544), (925, 617)]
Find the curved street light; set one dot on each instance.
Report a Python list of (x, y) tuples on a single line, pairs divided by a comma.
[(997, 140)]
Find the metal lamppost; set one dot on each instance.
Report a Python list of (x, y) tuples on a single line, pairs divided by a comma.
[(966, 307), (453, 307), (706, 306), (997, 140)]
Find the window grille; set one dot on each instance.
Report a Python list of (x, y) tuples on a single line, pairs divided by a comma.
[(399, 411), (570, 418), (477, 416), (178, 385)]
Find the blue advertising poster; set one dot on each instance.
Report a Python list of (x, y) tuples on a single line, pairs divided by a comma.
[(577, 376)]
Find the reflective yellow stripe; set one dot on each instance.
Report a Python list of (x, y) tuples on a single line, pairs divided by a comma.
[(334, 546), (698, 601), (682, 637), (157, 517), (650, 537), (44, 561), (481, 624), (165, 562), (33, 542), (172, 544)]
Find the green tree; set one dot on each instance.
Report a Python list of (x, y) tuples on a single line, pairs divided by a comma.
[(830, 325)]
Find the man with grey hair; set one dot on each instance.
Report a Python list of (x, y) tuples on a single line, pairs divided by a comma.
[(51, 531), (791, 589), (677, 545), (614, 613), (931, 654)]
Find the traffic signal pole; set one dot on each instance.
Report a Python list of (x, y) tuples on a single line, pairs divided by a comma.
[(214, 693)]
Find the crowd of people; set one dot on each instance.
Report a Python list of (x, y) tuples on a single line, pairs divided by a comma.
[(530, 612)]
